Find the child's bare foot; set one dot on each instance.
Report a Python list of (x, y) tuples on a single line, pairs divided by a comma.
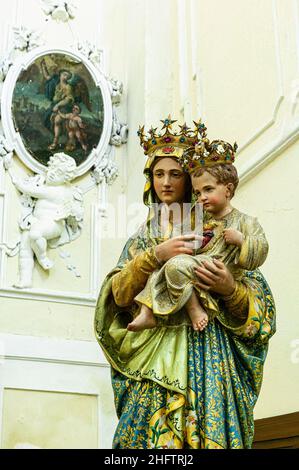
[(201, 322), (70, 147), (22, 284), (199, 319), (53, 146), (198, 316), (144, 321), (45, 262)]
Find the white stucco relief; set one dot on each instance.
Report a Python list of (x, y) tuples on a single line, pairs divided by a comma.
[(52, 214), (59, 10), (40, 195)]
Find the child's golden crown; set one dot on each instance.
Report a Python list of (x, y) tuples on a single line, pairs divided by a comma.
[(206, 153)]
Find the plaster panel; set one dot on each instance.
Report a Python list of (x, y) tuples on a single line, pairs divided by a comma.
[(241, 74), (46, 319), (49, 420), (272, 196)]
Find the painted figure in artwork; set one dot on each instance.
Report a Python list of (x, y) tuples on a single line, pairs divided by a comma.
[(65, 90), (53, 86), (52, 214), (75, 129), (60, 92)]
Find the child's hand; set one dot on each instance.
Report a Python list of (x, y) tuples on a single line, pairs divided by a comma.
[(233, 237)]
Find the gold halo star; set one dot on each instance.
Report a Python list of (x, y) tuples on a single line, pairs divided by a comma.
[(200, 127), (152, 132), (184, 129), (168, 123), (140, 131)]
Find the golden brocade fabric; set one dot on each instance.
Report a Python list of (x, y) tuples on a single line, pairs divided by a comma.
[(133, 277), (169, 288), (174, 387)]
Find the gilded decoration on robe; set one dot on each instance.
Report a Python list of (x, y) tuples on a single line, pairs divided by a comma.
[(174, 387)]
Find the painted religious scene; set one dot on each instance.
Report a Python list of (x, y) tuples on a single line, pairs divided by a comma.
[(57, 107)]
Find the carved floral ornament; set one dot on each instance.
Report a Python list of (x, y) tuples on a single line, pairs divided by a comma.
[(59, 10), (58, 110)]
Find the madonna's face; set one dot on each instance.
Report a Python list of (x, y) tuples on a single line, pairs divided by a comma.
[(169, 181)]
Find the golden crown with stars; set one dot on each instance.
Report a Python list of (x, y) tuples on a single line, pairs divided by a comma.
[(168, 143)]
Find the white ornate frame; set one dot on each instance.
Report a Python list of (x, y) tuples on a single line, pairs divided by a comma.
[(100, 163), (14, 138)]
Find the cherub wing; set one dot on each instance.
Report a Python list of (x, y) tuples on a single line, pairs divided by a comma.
[(77, 206), (72, 212), (26, 213), (81, 92), (28, 202)]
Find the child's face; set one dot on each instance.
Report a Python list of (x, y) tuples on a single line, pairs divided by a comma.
[(76, 110), (212, 195)]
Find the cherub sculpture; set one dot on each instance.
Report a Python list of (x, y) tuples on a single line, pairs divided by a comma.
[(52, 214)]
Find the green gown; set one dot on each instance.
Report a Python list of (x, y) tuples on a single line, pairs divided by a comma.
[(176, 388)]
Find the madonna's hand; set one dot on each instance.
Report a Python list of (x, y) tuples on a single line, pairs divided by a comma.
[(181, 245), (215, 277)]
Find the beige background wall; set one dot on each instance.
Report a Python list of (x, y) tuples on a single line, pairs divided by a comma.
[(236, 65)]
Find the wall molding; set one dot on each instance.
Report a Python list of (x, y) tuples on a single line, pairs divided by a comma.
[(60, 351), (33, 364), (257, 163), (281, 96)]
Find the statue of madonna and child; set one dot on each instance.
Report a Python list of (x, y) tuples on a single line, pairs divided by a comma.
[(185, 319)]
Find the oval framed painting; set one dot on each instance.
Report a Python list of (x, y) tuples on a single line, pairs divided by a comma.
[(56, 101)]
